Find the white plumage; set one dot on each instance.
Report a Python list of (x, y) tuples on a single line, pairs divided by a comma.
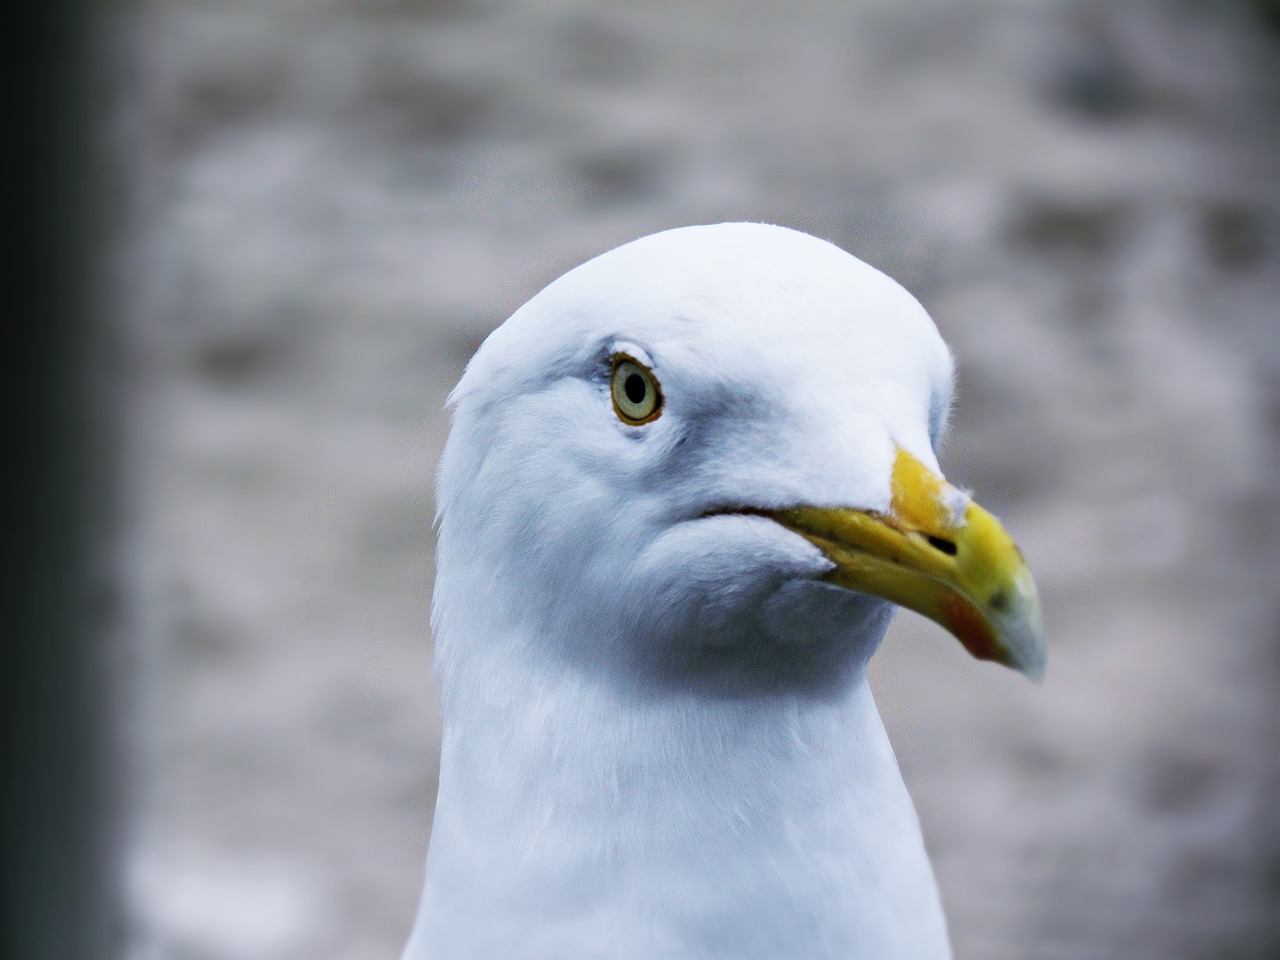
[(659, 740)]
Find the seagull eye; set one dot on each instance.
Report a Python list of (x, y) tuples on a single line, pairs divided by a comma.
[(636, 397)]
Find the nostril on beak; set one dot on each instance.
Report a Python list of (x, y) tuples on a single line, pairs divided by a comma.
[(946, 546)]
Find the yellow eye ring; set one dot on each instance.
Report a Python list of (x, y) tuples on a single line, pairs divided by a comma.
[(637, 398)]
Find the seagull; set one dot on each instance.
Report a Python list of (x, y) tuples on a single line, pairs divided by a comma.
[(685, 488)]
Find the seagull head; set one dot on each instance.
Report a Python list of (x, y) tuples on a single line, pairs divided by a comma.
[(707, 457)]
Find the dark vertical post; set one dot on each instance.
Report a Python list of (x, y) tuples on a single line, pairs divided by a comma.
[(59, 880)]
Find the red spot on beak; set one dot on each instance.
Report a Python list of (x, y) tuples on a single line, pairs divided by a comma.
[(971, 629)]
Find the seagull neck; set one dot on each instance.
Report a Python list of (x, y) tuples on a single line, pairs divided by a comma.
[(582, 802)]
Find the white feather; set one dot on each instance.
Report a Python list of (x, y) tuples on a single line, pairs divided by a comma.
[(659, 740)]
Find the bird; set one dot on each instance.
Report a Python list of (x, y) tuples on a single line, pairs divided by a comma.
[(685, 488)]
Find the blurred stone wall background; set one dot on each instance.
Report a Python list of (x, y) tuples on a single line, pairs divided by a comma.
[(338, 200)]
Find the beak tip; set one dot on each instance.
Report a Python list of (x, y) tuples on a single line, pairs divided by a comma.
[(1028, 654), (1034, 670)]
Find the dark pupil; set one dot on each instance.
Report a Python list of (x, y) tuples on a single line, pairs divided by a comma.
[(635, 388)]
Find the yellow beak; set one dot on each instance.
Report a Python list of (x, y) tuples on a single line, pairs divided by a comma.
[(940, 554)]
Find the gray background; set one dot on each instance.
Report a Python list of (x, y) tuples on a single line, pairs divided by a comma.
[(334, 202)]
